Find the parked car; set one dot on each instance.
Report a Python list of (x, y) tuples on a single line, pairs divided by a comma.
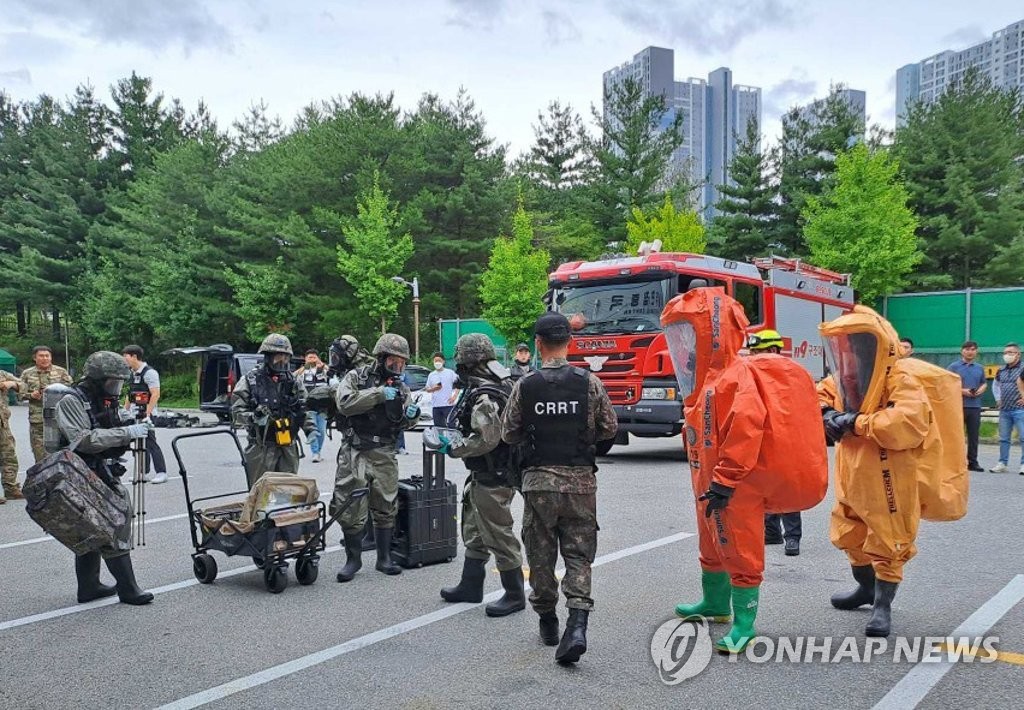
[(221, 367), (416, 376)]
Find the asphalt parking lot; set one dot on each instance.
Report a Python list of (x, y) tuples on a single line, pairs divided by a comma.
[(390, 642)]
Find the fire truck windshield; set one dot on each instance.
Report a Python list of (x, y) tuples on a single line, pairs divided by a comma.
[(633, 307)]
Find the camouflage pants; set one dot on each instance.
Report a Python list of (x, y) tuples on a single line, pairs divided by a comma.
[(9, 456), (35, 438), (261, 457), (487, 525), (373, 468), (566, 521)]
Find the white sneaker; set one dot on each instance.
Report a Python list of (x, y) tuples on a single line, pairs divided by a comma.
[(999, 468), (157, 478), (317, 458)]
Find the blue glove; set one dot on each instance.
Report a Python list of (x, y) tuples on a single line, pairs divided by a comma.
[(445, 443), (137, 431), (412, 412), (390, 393)]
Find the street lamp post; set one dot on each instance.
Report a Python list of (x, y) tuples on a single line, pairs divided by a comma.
[(415, 286)]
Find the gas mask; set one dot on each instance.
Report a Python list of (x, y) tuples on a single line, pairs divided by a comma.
[(112, 387), (277, 363), (391, 365)]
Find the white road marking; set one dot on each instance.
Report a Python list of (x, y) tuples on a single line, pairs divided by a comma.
[(294, 666), (916, 684), (79, 608)]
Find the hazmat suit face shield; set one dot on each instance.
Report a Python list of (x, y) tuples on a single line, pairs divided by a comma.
[(393, 365), (681, 338), (277, 362), (112, 387), (853, 357)]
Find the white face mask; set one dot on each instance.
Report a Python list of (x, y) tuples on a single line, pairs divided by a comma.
[(438, 364), (1009, 359)]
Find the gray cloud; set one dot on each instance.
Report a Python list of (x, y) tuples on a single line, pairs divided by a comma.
[(19, 76), (156, 24), (559, 28), (704, 28), (788, 93), (475, 14), (29, 49), (965, 37)]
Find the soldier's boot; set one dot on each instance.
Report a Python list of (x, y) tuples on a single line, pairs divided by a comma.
[(368, 543), (744, 611), (471, 587), (128, 590), (716, 604), (87, 570), (574, 640), (514, 598), (880, 623), (353, 557), (549, 628), (14, 492), (382, 536), (863, 594)]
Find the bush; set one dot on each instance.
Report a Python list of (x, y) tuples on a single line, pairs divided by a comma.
[(179, 390)]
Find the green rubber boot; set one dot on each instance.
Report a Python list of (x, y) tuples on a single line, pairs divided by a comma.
[(715, 604), (744, 611)]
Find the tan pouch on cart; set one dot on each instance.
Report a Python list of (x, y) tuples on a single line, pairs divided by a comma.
[(274, 491)]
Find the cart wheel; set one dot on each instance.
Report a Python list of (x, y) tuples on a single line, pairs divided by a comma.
[(307, 569), (275, 579), (205, 568), (259, 562)]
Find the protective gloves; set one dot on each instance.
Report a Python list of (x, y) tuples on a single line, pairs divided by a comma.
[(837, 424), (137, 431), (446, 444), (717, 497), (412, 412), (390, 393)]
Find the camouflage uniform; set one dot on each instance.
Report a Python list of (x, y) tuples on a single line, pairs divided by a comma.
[(35, 380), (561, 506), (8, 449)]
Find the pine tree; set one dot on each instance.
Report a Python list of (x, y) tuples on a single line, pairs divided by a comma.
[(745, 209)]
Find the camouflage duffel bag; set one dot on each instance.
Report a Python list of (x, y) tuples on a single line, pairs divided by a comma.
[(69, 501)]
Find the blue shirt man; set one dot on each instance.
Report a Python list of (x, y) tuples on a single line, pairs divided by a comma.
[(1006, 388), (973, 385), (441, 385)]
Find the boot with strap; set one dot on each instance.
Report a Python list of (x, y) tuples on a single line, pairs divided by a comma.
[(128, 590), (87, 570), (471, 587), (863, 594), (744, 611), (514, 598), (880, 623), (574, 640), (353, 556), (382, 536), (715, 606)]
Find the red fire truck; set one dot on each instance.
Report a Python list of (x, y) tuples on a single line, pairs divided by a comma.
[(614, 307)]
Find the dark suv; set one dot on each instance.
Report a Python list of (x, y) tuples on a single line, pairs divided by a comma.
[(220, 369)]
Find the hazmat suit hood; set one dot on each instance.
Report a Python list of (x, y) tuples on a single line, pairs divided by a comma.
[(862, 349), (704, 330)]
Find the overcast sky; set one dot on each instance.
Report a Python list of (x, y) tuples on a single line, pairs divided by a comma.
[(512, 57)]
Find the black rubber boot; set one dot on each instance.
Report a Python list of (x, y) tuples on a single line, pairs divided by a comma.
[(471, 587), (792, 547), (124, 575), (87, 570), (863, 594), (353, 557), (880, 623), (574, 640), (368, 543), (549, 628), (515, 594), (382, 536)]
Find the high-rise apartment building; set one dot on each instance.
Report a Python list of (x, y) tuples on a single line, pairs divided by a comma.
[(714, 112), (1000, 58)]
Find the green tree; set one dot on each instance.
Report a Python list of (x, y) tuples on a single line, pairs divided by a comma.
[(805, 162), (961, 159), (741, 228), (375, 255), (677, 231), (862, 224), (263, 299), (632, 155), (557, 161), (515, 282)]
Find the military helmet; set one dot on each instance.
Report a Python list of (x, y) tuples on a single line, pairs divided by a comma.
[(392, 344), (275, 343), (473, 348), (106, 365), (764, 339)]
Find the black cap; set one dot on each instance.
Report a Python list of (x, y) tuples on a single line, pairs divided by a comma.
[(522, 346), (552, 326)]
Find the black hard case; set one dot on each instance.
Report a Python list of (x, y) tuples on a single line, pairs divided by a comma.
[(427, 528)]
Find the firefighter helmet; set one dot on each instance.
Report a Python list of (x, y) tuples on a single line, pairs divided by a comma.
[(764, 339)]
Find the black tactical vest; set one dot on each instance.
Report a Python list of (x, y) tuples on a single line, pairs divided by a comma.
[(139, 393), (279, 397), (554, 405), (490, 469), (313, 377), (379, 427)]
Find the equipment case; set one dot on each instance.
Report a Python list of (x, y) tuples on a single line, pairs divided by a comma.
[(426, 530)]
